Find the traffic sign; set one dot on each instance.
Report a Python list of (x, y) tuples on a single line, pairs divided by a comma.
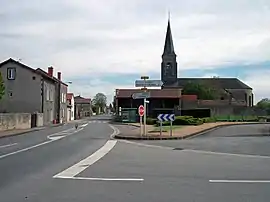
[(148, 83), (141, 95), (166, 117), (141, 110)]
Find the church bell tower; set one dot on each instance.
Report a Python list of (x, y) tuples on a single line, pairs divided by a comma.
[(169, 64)]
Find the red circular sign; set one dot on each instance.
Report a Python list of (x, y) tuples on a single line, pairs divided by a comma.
[(141, 110)]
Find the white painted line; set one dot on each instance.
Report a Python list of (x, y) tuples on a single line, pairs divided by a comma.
[(102, 179), (8, 145), (25, 149), (90, 160), (84, 125), (226, 154), (146, 145), (239, 181), (52, 139)]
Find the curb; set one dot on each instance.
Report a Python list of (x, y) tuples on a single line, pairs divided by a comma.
[(123, 137)]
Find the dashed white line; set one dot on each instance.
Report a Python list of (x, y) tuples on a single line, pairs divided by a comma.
[(85, 163), (226, 154), (8, 145), (239, 181), (53, 137), (25, 149), (102, 179)]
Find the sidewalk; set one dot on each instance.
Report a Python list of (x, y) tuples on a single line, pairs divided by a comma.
[(178, 133)]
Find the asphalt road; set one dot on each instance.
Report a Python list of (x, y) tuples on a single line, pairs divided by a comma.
[(87, 165)]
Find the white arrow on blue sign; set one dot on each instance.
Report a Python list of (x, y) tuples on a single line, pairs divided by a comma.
[(166, 117)]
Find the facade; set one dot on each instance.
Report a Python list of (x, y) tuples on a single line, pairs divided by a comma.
[(61, 93), (83, 107), (27, 91), (31, 90), (70, 107)]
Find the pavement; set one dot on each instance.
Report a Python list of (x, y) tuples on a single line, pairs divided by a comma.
[(65, 164)]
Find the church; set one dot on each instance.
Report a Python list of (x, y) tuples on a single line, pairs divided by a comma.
[(233, 94)]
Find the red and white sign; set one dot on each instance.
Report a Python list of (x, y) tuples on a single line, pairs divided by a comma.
[(141, 110)]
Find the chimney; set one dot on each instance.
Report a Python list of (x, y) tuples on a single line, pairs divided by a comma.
[(59, 76), (50, 71)]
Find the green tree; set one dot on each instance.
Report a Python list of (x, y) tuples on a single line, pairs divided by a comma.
[(2, 87), (99, 102), (264, 104), (203, 92)]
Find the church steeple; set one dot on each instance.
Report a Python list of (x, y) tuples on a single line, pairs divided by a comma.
[(168, 47), (169, 64)]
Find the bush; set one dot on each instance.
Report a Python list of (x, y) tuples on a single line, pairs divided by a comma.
[(209, 120), (150, 121), (183, 120)]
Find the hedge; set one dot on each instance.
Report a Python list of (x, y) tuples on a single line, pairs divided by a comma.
[(184, 120)]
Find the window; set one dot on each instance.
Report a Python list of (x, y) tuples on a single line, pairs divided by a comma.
[(47, 93), (11, 73), (65, 99)]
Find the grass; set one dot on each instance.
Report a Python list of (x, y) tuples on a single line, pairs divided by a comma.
[(165, 128)]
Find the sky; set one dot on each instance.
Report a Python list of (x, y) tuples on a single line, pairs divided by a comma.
[(101, 45)]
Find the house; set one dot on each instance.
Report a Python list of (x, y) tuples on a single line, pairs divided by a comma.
[(83, 107), (70, 106), (29, 90), (61, 93)]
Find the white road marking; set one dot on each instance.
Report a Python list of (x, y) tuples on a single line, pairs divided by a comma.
[(84, 125), (102, 179), (239, 181), (146, 145), (85, 163), (8, 145), (25, 149), (226, 154), (52, 139)]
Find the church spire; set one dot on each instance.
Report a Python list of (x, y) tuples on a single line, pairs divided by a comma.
[(168, 47)]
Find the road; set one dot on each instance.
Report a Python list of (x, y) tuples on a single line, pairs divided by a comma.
[(64, 164)]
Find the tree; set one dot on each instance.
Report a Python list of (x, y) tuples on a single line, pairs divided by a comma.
[(264, 104), (99, 102), (203, 92), (2, 87)]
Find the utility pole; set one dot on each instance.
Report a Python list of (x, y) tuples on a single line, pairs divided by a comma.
[(144, 103)]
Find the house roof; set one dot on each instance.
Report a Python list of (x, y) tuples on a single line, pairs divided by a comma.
[(81, 100), (224, 83), (154, 93), (69, 96), (45, 74), (37, 71)]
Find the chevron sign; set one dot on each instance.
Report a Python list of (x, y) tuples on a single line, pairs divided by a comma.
[(166, 117)]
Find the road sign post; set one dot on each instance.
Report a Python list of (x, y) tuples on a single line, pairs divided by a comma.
[(144, 117), (166, 117), (141, 113)]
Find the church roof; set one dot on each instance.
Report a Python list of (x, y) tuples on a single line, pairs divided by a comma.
[(168, 47), (224, 83)]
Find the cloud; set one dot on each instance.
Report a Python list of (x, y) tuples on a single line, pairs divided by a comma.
[(101, 37)]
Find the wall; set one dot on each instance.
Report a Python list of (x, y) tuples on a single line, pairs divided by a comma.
[(25, 89), (63, 103), (72, 111), (49, 102), (9, 121), (39, 120)]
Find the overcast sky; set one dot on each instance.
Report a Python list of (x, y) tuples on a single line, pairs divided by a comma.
[(101, 45)]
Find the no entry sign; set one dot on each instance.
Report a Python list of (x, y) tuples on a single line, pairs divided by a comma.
[(141, 110)]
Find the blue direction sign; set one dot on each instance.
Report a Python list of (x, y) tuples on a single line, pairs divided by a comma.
[(141, 95), (166, 117), (148, 83)]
